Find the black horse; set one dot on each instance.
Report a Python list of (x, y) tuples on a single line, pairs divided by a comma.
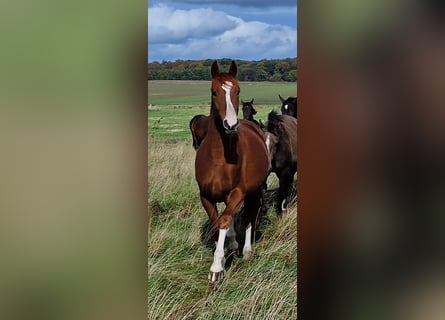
[(249, 111), (289, 106), (281, 142)]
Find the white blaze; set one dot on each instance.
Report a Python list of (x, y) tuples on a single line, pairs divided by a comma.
[(286, 106), (231, 117)]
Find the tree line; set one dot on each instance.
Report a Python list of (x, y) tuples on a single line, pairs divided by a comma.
[(262, 70)]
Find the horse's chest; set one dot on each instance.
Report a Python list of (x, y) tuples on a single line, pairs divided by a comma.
[(219, 181), (281, 160)]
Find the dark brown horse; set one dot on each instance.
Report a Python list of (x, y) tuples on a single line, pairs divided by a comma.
[(249, 111), (198, 127), (289, 106), (231, 166), (281, 141)]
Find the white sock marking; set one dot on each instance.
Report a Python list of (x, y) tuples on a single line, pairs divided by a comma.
[(247, 249), (218, 257), (268, 141), (283, 208)]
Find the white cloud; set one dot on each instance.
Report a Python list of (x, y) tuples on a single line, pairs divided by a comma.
[(166, 25), (205, 33), (241, 3)]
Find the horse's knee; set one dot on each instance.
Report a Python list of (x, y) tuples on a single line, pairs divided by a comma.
[(225, 222)]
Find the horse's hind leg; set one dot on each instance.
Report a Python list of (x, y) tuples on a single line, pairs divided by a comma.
[(231, 235), (286, 179), (252, 207)]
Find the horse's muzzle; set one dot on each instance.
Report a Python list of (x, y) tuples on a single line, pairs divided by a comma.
[(231, 129)]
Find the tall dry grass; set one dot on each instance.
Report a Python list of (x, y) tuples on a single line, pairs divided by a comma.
[(263, 287)]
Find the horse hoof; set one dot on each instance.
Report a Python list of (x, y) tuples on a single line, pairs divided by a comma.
[(247, 254), (214, 277), (233, 246), (280, 214)]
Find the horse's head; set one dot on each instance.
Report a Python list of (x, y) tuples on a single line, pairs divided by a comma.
[(248, 110), (289, 106), (225, 97)]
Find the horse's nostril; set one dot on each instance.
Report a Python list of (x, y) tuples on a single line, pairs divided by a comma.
[(235, 126), (229, 127)]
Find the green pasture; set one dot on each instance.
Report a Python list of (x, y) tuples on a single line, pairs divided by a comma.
[(175, 102), (188, 92)]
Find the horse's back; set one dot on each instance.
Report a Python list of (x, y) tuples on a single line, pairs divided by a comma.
[(253, 128), (291, 125), (253, 148), (198, 127)]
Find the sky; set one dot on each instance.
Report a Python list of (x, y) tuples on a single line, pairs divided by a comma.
[(214, 29)]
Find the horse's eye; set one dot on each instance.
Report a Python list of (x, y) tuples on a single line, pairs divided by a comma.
[(214, 93)]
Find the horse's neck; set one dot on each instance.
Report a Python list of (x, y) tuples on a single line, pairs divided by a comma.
[(222, 143), (289, 138)]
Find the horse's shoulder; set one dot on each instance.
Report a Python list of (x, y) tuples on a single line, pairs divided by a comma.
[(250, 126)]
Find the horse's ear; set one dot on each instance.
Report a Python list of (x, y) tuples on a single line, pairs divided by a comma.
[(281, 99), (233, 68), (215, 69), (251, 101)]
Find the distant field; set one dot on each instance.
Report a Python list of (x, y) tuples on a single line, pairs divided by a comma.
[(182, 93), (176, 102)]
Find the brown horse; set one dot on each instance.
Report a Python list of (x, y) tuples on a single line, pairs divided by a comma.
[(281, 141), (231, 167), (198, 127)]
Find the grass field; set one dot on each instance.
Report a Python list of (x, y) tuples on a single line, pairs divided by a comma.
[(186, 93), (176, 102), (263, 287)]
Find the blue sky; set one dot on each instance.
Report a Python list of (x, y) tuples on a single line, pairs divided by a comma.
[(213, 29)]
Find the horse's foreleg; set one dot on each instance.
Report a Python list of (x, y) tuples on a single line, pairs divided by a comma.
[(247, 249), (286, 179), (233, 203), (252, 208), (217, 269), (210, 208), (225, 222)]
